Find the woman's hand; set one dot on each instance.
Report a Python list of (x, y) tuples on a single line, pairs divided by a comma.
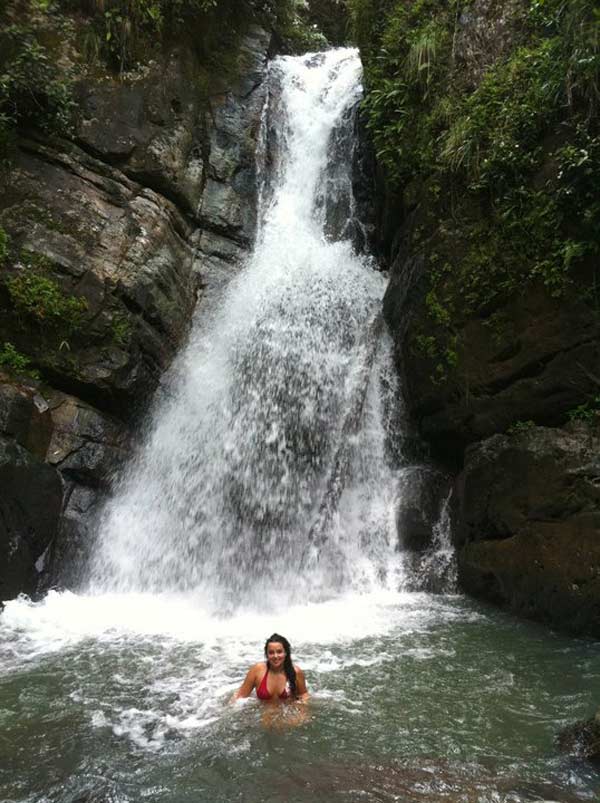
[(247, 686)]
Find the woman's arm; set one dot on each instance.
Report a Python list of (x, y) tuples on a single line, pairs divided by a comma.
[(247, 686), (301, 690)]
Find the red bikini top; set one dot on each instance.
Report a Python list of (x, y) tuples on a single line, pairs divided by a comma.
[(263, 693)]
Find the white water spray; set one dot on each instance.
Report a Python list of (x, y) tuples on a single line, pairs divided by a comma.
[(236, 469)]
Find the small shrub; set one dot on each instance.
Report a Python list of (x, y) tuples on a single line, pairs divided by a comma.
[(33, 91), (520, 426), (121, 329), (3, 245), (40, 298), (13, 362), (587, 412)]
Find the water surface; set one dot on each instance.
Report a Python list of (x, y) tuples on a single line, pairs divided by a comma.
[(414, 697)]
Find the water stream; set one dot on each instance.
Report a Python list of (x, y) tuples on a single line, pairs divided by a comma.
[(263, 498)]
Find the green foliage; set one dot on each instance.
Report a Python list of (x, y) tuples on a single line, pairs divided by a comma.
[(330, 17), (126, 33), (496, 137), (41, 299), (13, 362), (33, 90), (512, 148), (587, 412), (121, 329), (520, 426), (4, 241)]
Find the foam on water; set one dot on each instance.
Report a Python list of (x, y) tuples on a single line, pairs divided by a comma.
[(189, 660), (63, 620)]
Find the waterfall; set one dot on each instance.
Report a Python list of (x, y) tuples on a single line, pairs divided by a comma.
[(268, 471)]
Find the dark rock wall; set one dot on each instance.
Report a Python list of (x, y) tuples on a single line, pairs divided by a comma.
[(150, 204), (530, 524)]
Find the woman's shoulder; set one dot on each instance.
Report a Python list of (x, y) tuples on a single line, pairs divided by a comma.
[(259, 667)]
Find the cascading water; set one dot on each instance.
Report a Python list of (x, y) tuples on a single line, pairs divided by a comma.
[(238, 471), (266, 497)]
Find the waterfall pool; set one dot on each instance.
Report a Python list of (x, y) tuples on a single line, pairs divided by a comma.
[(414, 697), (270, 479)]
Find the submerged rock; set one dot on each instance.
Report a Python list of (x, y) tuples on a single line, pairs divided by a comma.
[(530, 524), (416, 780), (582, 739)]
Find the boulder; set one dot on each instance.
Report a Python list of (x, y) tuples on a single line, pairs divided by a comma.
[(529, 535), (582, 739)]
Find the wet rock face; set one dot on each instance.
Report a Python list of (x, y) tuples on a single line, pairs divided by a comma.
[(155, 198), (543, 367), (151, 129), (530, 525), (181, 132), (55, 452), (422, 494), (118, 246)]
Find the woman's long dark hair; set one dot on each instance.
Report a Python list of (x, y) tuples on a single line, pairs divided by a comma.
[(288, 666)]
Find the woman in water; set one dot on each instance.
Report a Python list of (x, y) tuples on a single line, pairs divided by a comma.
[(279, 679)]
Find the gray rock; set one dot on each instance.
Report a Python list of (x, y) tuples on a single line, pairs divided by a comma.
[(530, 525), (86, 445), (151, 126), (119, 246), (65, 451)]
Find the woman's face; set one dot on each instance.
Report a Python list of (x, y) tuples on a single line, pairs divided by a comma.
[(275, 654)]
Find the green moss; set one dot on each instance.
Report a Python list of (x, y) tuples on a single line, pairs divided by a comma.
[(13, 362), (121, 329), (4, 243), (587, 412), (520, 426), (505, 160), (40, 298)]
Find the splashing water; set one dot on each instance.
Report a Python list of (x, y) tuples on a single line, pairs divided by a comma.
[(236, 469)]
